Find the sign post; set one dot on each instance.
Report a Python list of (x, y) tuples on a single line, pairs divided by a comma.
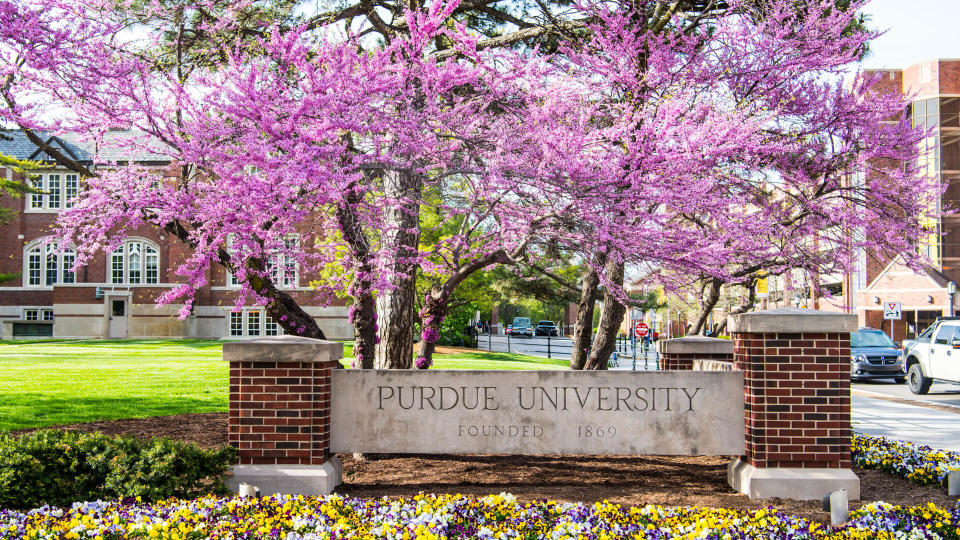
[(892, 312), (641, 330)]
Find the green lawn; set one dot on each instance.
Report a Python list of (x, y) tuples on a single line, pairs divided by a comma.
[(48, 383)]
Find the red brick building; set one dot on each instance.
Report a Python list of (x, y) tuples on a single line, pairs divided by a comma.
[(114, 296), (935, 87)]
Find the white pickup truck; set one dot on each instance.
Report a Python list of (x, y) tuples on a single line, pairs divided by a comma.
[(934, 354)]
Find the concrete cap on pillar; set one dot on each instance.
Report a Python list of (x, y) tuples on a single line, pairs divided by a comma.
[(695, 345), (791, 320), (283, 349)]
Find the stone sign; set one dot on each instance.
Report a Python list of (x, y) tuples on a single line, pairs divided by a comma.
[(537, 412)]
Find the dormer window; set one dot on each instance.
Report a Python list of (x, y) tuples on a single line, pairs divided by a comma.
[(59, 190)]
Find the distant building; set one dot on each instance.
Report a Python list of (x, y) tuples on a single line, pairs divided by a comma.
[(935, 86), (924, 296), (114, 296)]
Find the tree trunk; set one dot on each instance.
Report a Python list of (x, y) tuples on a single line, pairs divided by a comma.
[(395, 305), (437, 304), (432, 315), (363, 313), (289, 315), (709, 302), (583, 331), (610, 319), (746, 306)]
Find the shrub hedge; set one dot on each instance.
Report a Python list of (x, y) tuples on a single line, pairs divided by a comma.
[(59, 467)]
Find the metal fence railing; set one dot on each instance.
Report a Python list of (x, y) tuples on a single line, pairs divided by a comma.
[(628, 353)]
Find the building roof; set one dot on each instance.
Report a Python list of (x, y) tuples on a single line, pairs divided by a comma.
[(936, 276), (118, 146)]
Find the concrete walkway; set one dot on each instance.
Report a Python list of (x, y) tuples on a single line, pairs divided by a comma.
[(922, 425)]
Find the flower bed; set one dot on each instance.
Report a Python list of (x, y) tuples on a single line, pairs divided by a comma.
[(912, 461), (454, 517)]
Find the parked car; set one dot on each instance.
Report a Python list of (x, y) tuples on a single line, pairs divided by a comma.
[(522, 327), (933, 355), (546, 328), (874, 356)]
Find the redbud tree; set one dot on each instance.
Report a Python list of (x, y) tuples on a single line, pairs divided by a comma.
[(696, 139), (734, 145)]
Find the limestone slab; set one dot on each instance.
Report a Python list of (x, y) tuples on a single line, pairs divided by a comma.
[(791, 320), (289, 479), (282, 349), (537, 412), (695, 345), (790, 483)]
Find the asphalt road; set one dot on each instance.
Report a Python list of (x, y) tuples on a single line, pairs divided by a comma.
[(945, 393), (922, 425)]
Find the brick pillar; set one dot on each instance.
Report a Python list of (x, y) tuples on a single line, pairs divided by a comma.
[(679, 353), (279, 416), (796, 367)]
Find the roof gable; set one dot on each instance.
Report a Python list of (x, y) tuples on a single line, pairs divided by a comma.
[(936, 278)]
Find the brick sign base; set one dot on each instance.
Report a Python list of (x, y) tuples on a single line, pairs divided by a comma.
[(796, 368), (794, 365), (279, 417)]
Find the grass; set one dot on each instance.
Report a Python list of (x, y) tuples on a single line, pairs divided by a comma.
[(49, 383)]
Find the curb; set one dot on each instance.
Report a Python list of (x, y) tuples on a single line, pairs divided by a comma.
[(908, 401)]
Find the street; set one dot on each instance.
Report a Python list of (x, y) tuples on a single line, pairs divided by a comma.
[(941, 393), (921, 425)]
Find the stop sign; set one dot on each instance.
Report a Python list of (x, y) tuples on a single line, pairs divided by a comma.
[(641, 329)]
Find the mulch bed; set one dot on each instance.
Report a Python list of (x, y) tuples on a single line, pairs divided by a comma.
[(633, 480)]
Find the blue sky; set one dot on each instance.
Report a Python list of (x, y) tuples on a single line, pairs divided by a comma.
[(917, 30)]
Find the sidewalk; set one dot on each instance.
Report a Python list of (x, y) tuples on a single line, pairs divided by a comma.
[(923, 425)]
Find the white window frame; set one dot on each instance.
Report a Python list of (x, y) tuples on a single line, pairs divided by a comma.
[(37, 267), (37, 314), (120, 263), (239, 324), (60, 189), (289, 280)]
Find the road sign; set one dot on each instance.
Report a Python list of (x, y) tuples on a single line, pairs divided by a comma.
[(641, 329), (891, 311)]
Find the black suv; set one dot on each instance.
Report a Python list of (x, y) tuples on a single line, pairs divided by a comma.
[(546, 328)]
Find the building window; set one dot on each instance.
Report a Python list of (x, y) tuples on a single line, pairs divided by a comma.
[(38, 314), (134, 262), (71, 188), (283, 268), (253, 323), (59, 190), (236, 324), (45, 267), (53, 186), (36, 199), (271, 328)]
